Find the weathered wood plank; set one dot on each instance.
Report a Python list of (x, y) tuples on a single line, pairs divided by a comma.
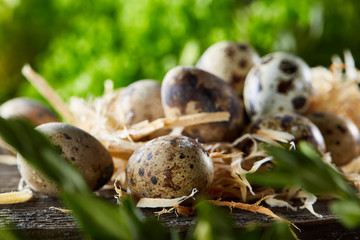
[(39, 221)]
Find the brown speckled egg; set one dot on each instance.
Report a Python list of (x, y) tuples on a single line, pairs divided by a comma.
[(140, 101), (280, 84), (230, 61), (169, 167), (189, 90), (79, 148), (299, 126), (29, 109), (341, 136)]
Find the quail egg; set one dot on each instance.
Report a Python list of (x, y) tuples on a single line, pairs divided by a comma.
[(169, 167), (29, 109), (341, 136), (140, 101), (280, 84), (79, 148), (189, 90), (299, 126), (230, 61)]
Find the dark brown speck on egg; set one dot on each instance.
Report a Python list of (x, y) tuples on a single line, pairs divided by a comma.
[(141, 172), (341, 128), (230, 51), (285, 85), (236, 79), (153, 180), (67, 136), (243, 47), (243, 63), (299, 102), (288, 67)]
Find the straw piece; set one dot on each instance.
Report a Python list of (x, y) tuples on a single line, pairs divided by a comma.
[(161, 202), (141, 130), (16, 197), (48, 92), (8, 159)]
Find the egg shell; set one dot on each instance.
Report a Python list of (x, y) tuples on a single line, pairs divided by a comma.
[(29, 109), (341, 136), (299, 126), (230, 61), (169, 167), (280, 84), (189, 90), (141, 101), (80, 149)]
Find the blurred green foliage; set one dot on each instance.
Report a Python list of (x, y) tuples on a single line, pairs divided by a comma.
[(76, 45)]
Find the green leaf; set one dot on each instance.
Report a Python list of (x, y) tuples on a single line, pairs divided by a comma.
[(212, 223), (278, 230), (97, 218), (348, 212), (303, 167), (8, 231), (215, 223), (251, 232)]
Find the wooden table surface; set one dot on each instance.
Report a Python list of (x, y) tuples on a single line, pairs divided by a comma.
[(38, 221)]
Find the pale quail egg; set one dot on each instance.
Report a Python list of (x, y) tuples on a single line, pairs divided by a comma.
[(230, 61), (140, 101), (280, 84)]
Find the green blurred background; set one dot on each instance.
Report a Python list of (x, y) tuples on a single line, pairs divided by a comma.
[(76, 45)]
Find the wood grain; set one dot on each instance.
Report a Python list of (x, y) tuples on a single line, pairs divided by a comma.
[(38, 221)]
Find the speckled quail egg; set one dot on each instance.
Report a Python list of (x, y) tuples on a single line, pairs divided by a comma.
[(169, 167), (230, 61), (189, 90), (280, 84), (79, 148), (29, 109), (341, 136), (299, 126), (140, 101)]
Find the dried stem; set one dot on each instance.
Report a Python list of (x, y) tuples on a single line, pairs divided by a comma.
[(48, 92)]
